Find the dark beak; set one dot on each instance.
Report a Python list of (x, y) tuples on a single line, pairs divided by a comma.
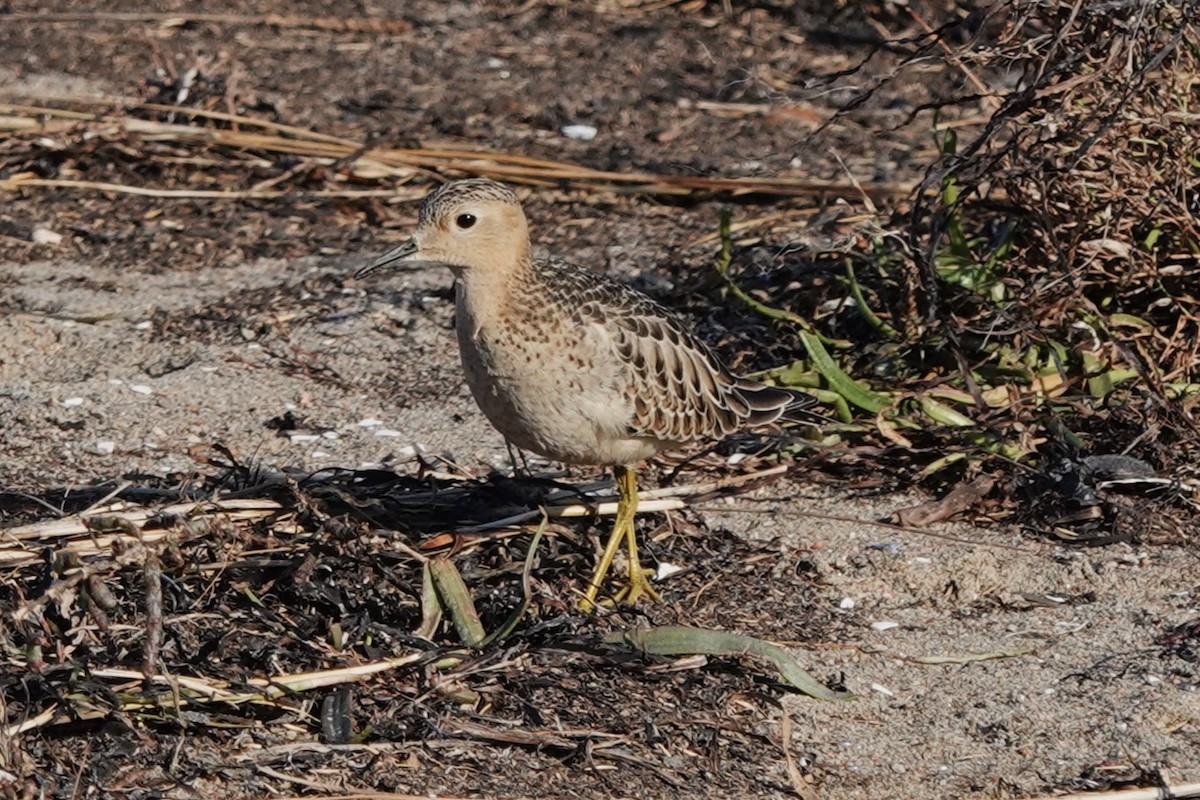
[(391, 258)]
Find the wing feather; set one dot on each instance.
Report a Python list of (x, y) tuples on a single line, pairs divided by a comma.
[(676, 387)]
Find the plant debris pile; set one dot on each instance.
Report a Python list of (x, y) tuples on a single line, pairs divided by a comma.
[(1088, 173), (1038, 303), (162, 609), (1094, 154)]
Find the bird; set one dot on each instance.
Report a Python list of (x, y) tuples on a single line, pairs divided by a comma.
[(574, 365)]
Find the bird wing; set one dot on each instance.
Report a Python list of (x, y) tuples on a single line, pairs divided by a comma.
[(675, 386), (678, 389)]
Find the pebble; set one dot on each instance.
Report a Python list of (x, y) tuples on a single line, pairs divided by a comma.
[(584, 133), (846, 604), (45, 236), (104, 447), (71, 402), (140, 388), (884, 625), (883, 690)]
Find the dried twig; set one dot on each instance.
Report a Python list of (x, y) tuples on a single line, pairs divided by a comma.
[(97, 534), (352, 24), (378, 162), (1179, 791), (960, 499), (152, 579)]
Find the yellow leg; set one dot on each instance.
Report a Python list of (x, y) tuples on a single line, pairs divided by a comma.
[(639, 578), (623, 528)]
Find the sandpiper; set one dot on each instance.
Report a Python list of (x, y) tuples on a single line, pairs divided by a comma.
[(571, 364)]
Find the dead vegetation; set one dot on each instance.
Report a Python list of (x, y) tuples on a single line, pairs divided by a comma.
[(317, 604), (1078, 206), (1043, 282)]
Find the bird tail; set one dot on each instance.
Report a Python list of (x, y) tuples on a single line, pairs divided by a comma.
[(774, 403)]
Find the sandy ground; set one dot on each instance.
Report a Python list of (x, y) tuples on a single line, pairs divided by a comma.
[(986, 664), (993, 665)]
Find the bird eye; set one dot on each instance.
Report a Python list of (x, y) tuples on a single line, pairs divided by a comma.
[(465, 221)]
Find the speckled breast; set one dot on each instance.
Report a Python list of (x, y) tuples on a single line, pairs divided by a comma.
[(548, 387)]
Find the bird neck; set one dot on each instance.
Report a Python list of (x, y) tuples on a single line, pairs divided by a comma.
[(485, 293)]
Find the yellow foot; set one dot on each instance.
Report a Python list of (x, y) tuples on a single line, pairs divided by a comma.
[(637, 588), (639, 585), (623, 528)]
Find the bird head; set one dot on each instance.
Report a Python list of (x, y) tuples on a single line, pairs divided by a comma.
[(467, 225)]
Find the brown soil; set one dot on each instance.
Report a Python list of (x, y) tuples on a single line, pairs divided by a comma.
[(158, 328)]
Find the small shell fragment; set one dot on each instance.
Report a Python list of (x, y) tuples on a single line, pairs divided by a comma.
[(584, 133), (45, 236), (666, 570)]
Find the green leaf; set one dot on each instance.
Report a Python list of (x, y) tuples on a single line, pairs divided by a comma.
[(843, 384), (457, 600), (526, 588), (1129, 321), (431, 606), (944, 414), (725, 259), (681, 640), (1104, 383), (865, 310)]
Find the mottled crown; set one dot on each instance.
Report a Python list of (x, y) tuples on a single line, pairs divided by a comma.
[(450, 195)]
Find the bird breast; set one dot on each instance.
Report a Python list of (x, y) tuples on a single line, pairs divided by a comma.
[(550, 384)]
